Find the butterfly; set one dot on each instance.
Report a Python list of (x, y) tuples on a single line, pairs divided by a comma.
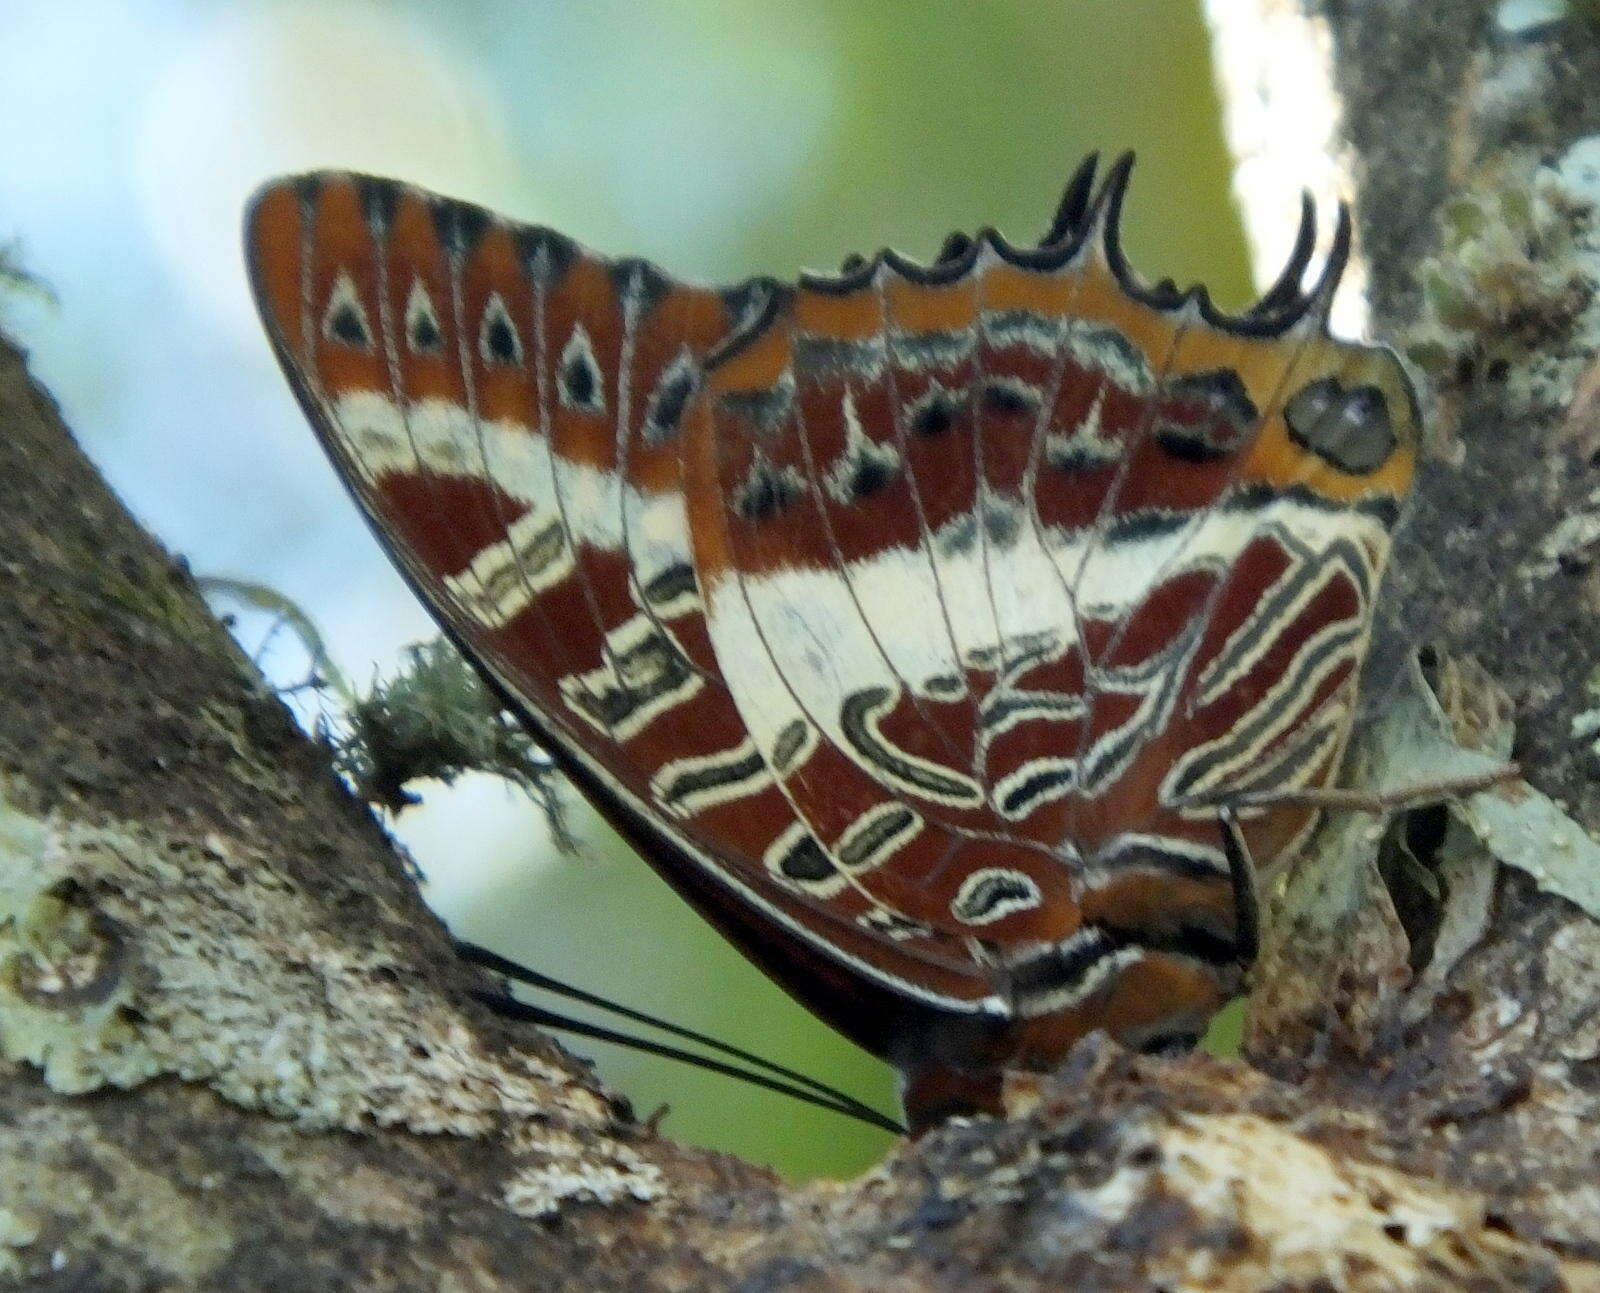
[(918, 623)]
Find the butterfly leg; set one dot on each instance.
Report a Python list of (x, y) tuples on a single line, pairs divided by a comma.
[(1242, 871), (1338, 799)]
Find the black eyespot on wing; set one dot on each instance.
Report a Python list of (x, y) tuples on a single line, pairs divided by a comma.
[(1347, 427), (871, 475), (1010, 398), (664, 412), (806, 863), (579, 380), (1206, 416), (422, 323), (498, 343), (766, 491), (347, 325), (344, 320), (580, 375), (934, 414), (862, 471), (674, 395)]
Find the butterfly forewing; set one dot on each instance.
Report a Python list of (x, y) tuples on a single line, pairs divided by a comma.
[(913, 621), (466, 376)]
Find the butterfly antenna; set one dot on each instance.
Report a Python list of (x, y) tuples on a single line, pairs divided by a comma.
[(776, 1077), (515, 1008)]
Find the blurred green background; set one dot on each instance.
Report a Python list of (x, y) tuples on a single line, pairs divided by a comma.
[(720, 138)]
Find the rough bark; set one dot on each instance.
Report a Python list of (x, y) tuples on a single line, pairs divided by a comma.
[(238, 1054)]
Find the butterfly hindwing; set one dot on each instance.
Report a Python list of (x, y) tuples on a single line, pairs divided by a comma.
[(1091, 497)]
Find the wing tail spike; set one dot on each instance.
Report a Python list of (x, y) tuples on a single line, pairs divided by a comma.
[(1074, 205), (954, 248), (1103, 224), (1319, 300), (1284, 296)]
